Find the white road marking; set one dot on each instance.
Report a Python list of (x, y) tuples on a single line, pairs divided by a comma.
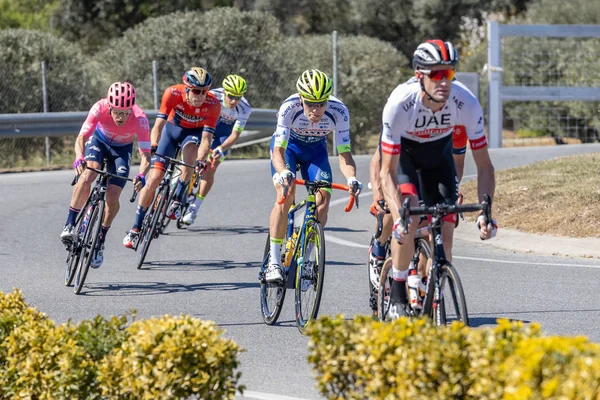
[(248, 394)]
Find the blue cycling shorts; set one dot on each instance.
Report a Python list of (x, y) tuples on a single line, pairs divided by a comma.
[(172, 136), (311, 159), (118, 158)]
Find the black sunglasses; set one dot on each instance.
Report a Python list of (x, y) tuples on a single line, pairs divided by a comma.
[(199, 91), (315, 104)]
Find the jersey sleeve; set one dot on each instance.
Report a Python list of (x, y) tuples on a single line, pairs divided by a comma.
[(243, 117), (89, 125), (167, 103), (459, 140), (284, 124), (342, 131), (143, 134), (472, 117), (391, 132), (212, 117)]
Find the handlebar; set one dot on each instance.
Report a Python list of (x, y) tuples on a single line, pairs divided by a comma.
[(318, 185), (104, 173), (440, 210)]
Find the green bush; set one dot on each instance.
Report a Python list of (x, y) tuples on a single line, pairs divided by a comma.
[(172, 358), (362, 358), (161, 358)]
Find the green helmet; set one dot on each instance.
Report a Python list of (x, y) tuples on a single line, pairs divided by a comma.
[(235, 85), (314, 85)]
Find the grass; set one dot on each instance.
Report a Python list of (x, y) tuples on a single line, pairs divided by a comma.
[(557, 197)]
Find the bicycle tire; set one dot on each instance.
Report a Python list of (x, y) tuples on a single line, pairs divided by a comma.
[(90, 237), (310, 275), (422, 247), (450, 286), (269, 291), (164, 220), (385, 289), (150, 231), (75, 250)]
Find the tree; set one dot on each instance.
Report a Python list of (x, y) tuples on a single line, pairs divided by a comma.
[(95, 21), (232, 41), (27, 14)]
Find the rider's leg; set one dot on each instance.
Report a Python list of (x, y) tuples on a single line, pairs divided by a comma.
[(189, 153), (323, 199), (402, 256)]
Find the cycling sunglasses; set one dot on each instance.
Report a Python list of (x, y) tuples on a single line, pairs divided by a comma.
[(232, 97), (315, 104), (118, 113), (439, 74), (199, 91)]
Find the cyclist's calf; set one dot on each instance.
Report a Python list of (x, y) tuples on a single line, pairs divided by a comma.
[(323, 199)]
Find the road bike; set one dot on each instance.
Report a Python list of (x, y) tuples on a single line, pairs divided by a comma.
[(156, 220), (303, 260), (443, 299), (87, 230)]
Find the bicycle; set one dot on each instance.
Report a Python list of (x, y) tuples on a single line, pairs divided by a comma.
[(155, 222), (87, 230), (191, 191), (303, 259), (443, 281)]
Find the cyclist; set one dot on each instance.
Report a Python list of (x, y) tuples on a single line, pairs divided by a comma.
[(187, 118), (418, 121), (108, 132), (235, 111), (378, 249), (303, 122)]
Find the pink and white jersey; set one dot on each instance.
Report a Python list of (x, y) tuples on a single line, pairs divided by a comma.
[(405, 116), (99, 120)]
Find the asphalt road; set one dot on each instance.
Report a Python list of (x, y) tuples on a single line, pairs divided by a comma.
[(210, 270)]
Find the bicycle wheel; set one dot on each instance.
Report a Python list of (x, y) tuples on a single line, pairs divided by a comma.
[(384, 293), (452, 305), (423, 251), (310, 272), (164, 220), (74, 250), (271, 294), (149, 229), (88, 244)]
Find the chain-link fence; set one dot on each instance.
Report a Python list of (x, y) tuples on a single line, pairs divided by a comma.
[(554, 62)]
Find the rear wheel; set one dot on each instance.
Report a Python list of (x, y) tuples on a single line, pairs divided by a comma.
[(310, 273), (150, 225), (452, 305), (271, 295), (88, 245), (384, 293)]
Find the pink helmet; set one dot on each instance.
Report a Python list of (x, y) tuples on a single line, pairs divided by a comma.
[(121, 95)]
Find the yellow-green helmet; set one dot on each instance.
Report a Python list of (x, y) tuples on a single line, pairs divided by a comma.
[(235, 85), (314, 85)]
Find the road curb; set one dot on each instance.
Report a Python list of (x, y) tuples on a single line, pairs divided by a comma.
[(510, 239)]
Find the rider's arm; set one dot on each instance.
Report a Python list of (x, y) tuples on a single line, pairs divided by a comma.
[(278, 159), (88, 128), (238, 128), (145, 163), (347, 164), (459, 163), (391, 133), (214, 110), (486, 182), (167, 103), (143, 137), (374, 168)]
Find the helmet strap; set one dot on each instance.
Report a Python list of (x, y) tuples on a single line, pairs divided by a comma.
[(427, 94)]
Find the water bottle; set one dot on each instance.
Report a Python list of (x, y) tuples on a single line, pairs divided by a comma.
[(414, 282), (289, 247)]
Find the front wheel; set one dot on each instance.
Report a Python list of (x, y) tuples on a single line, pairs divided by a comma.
[(451, 304), (88, 245), (310, 273), (271, 294), (384, 292), (149, 229)]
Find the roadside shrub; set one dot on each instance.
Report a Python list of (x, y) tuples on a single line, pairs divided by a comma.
[(172, 358), (362, 358)]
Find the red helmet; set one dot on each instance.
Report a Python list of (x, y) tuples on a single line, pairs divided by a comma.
[(121, 95)]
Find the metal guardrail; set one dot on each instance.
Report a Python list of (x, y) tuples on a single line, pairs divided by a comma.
[(261, 124)]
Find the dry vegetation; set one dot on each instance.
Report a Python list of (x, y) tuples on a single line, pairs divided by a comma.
[(557, 197)]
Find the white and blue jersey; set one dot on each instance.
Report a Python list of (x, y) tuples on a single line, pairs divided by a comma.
[(231, 118), (305, 142), (295, 127)]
